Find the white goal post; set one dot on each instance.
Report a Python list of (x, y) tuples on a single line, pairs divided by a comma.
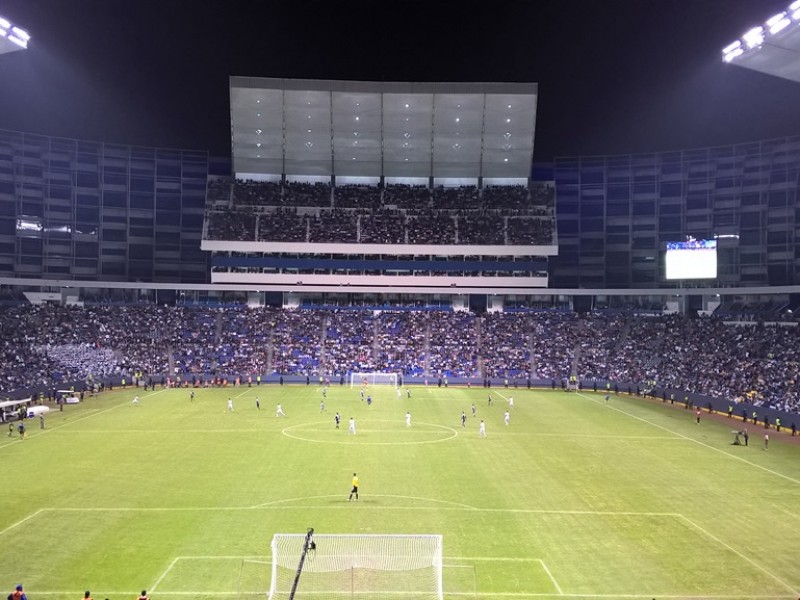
[(347, 567), (359, 379)]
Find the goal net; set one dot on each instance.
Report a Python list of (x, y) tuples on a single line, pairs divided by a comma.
[(359, 379), (362, 567)]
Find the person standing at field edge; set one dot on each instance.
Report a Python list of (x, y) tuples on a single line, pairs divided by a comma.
[(355, 488)]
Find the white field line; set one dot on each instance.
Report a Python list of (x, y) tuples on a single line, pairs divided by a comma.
[(739, 554), (364, 506), (21, 521), (553, 579), (153, 587), (686, 437), (38, 432), (458, 504)]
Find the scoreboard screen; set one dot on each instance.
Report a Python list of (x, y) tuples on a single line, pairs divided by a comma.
[(694, 259)]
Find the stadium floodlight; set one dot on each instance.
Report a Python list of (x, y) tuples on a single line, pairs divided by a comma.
[(21, 33), (18, 41), (794, 5), (732, 54), (730, 48), (12, 37), (780, 26), (775, 18), (796, 15), (754, 37)]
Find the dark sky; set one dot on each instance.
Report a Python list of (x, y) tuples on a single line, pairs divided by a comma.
[(614, 76)]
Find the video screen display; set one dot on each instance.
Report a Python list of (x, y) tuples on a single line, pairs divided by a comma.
[(694, 259)]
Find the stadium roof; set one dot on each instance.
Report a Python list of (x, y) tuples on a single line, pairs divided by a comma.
[(12, 38), (772, 47), (374, 129)]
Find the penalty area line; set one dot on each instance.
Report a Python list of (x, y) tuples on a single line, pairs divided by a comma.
[(21, 521)]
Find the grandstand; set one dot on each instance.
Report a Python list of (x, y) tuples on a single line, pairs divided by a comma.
[(375, 186)]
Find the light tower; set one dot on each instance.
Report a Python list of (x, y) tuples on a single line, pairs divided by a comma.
[(12, 37), (772, 47)]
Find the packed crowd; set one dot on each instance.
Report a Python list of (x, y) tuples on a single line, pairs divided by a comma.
[(378, 226), (395, 214), (44, 345)]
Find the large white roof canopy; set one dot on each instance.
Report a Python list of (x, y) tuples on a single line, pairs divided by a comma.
[(382, 129), (772, 47)]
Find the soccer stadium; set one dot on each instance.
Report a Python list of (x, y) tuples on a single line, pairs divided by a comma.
[(383, 350)]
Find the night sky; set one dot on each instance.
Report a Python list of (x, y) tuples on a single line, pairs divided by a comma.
[(615, 76)]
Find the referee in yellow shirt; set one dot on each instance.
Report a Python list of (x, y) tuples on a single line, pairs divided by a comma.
[(355, 488)]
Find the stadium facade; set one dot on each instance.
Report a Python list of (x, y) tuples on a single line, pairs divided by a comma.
[(486, 232), (616, 213)]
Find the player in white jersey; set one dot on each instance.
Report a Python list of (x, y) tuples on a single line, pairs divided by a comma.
[(408, 419), (482, 429), (279, 412), (352, 430), (506, 418), (230, 405)]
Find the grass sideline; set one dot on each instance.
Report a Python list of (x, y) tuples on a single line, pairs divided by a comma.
[(575, 498)]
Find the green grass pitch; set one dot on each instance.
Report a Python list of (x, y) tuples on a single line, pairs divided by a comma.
[(574, 498)]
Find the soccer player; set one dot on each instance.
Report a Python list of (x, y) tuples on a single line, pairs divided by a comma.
[(144, 595), (399, 393), (463, 420), (473, 409), (408, 419), (352, 429), (482, 429), (18, 594), (21, 429), (279, 412), (362, 394), (322, 406), (324, 392), (258, 403), (490, 399), (766, 441), (408, 393), (354, 490), (697, 416), (369, 400), (510, 402), (10, 429), (87, 595), (607, 397), (506, 418), (135, 400), (337, 419), (191, 396), (230, 405)]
